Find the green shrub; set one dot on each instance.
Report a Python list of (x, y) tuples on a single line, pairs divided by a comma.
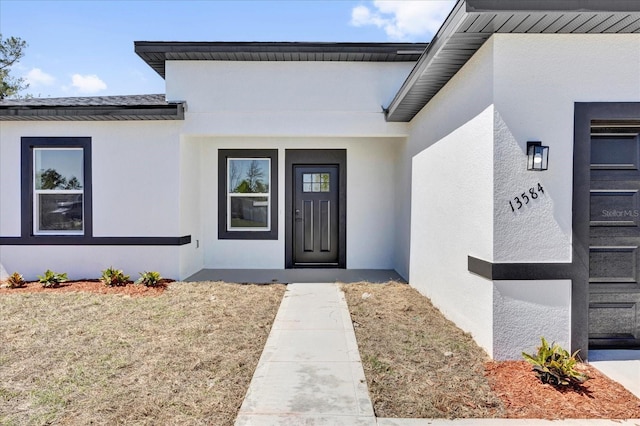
[(15, 280), (52, 279), (149, 279), (555, 365), (114, 277)]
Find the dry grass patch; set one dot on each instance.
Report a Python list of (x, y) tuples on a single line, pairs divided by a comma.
[(417, 363), (185, 357)]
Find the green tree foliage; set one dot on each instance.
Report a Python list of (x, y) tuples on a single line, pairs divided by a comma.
[(51, 179), (11, 50), (73, 183), (253, 181)]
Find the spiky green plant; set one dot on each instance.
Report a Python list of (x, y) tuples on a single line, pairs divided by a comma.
[(52, 279), (149, 278), (555, 365), (112, 277), (15, 280)]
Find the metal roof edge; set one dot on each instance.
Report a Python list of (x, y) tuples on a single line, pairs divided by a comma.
[(423, 83), (214, 46), (453, 21), (156, 53), (555, 5), (171, 111)]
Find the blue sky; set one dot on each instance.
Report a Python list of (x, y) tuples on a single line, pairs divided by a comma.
[(85, 48)]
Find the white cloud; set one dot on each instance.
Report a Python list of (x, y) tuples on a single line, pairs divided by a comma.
[(403, 20), (87, 84), (37, 77)]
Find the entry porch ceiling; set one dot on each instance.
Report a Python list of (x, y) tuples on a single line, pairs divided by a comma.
[(472, 22)]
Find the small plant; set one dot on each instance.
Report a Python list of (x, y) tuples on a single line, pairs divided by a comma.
[(112, 277), (555, 365), (52, 279), (149, 279), (15, 280)]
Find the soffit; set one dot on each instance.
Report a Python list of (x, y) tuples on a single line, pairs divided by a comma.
[(156, 53), (472, 22)]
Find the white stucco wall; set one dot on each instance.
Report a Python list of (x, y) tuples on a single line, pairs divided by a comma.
[(528, 85), (191, 185), (338, 99), (81, 262), (524, 311), (135, 185), (370, 202), (534, 96), (537, 79), (297, 105), (451, 181), (166, 173)]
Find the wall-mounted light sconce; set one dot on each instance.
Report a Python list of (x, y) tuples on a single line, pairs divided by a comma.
[(537, 156)]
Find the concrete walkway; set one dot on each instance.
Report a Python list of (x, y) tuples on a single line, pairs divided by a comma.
[(623, 366), (310, 371)]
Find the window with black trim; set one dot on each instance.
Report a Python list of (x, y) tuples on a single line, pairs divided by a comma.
[(248, 194), (56, 186)]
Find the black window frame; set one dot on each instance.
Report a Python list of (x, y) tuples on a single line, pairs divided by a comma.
[(28, 144), (223, 232)]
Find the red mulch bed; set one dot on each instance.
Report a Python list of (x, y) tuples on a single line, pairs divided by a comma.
[(93, 286), (526, 397)]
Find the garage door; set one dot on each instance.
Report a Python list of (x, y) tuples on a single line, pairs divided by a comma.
[(614, 235)]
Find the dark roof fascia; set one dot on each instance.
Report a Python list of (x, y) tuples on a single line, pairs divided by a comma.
[(552, 5), (408, 102), (155, 53), (172, 111), (449, 27)]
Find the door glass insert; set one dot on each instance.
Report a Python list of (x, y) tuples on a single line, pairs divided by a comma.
[(315, 182)]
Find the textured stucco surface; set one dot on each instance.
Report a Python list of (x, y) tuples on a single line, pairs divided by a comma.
[(451, 147), (88, 261), (135, 187), (537, 79), (160, 178), (473, 134), (371, 196), (294, 105), (523, 311), (226, 98), (191, 185)]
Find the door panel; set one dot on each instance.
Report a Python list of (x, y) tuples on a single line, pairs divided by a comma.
[(325, 225), (614, 237), (315, 204)]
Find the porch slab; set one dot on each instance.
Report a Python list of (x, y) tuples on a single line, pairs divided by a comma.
[(287, 276)]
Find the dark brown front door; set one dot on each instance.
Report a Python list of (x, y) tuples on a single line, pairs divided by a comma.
[(315, 215), (614, 236)]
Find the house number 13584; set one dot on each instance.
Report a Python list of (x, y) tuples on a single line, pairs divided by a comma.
[(524, 198)]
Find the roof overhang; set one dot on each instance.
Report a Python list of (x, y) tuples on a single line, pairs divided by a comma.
[(156, 53), (472, 22), (103, 108)]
